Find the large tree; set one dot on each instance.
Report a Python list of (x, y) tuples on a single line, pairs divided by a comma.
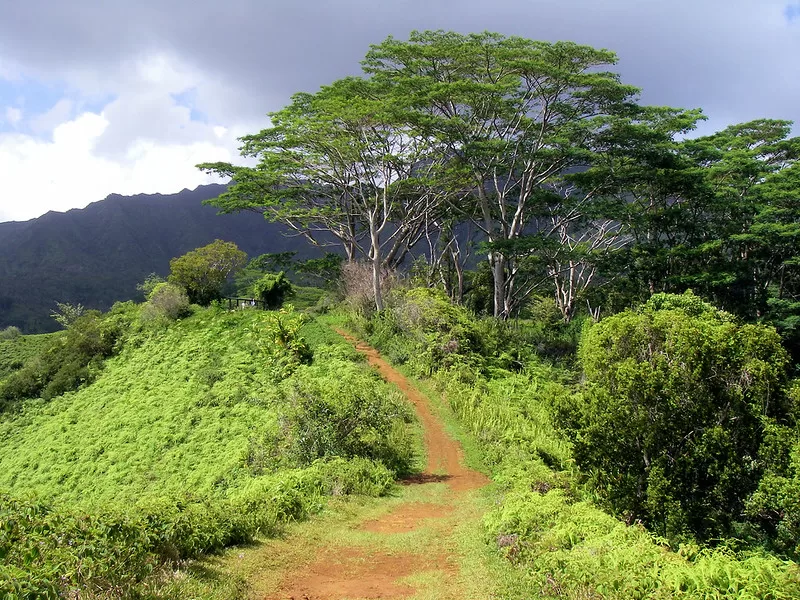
[(511, 114), (345, 162)]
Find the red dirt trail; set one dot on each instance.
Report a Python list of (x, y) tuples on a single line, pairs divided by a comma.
[(356, 572)]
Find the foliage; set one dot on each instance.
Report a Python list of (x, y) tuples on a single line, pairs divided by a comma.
[(165, 302), (69, 360), (149, 284), (156, 461), (580, 552), (548, 524), (204, 271), (49, 551), (10, 333), (673, 412), (66, 314), (279, 343), (340, 410), (15, 352), (272, 289)]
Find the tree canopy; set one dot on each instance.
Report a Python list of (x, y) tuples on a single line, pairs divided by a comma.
[(204, 271), (576, 189)]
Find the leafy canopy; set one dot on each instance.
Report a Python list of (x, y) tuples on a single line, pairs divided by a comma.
[(677, 396), (204, 271)]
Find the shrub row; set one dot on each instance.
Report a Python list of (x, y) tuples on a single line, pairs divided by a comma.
[(49, 552)]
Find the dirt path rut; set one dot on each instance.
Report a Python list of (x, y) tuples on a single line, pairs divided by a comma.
[(397, 561)]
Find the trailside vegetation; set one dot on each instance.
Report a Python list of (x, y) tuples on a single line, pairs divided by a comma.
[(700, 396), (191, 435)]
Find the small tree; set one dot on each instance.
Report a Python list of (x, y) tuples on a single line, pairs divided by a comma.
[(272, 289), (66, 313), (673, 414), (165, 302), (204, 271)]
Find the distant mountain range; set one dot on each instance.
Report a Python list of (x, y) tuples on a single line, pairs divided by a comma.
[(97, 255)]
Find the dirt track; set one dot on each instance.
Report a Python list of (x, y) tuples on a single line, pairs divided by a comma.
[(361, 572)]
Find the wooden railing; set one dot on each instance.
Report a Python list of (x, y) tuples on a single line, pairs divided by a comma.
[(245, 303)]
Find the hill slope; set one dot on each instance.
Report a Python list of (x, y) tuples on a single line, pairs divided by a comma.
[(96, 255)]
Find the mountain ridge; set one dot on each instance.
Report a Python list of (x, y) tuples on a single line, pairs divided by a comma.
[(96, 255)]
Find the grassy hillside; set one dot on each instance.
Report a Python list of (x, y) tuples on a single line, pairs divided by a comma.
[(195, 435), (14, 352)]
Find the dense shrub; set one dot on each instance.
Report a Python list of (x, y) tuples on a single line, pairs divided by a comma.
[(676, 400), (336, 409), (272, 289), (165, 302)]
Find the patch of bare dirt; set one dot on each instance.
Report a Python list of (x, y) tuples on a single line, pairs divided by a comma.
[(407, 517), (357, 573)]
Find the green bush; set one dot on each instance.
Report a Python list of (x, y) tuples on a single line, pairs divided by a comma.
[(280, 344), (10, 333), (166, 302), (204, 271), (272, 289), (337, 410), (673, 412)]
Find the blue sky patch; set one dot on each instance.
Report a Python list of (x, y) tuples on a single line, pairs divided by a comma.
[(34, 98), (188, 99), (792, 12)]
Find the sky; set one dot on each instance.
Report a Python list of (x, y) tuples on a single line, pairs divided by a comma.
[(121, 96)]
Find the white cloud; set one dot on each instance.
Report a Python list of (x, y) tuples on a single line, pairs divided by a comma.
[(59, 113), (40, 175), (143, 140)]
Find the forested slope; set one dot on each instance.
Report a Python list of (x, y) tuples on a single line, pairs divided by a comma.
[(97, 255)]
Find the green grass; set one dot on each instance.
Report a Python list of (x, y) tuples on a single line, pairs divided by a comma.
[(14, 352), (171, 415), (155, 460), (306, 297)]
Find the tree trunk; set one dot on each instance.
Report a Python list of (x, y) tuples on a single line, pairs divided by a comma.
[(376, 267), (499, 275)]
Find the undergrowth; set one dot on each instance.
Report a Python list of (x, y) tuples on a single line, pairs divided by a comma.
[(196, 434), (547, 522)]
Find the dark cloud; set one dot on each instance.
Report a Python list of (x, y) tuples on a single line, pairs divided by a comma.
[(734, 58)]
